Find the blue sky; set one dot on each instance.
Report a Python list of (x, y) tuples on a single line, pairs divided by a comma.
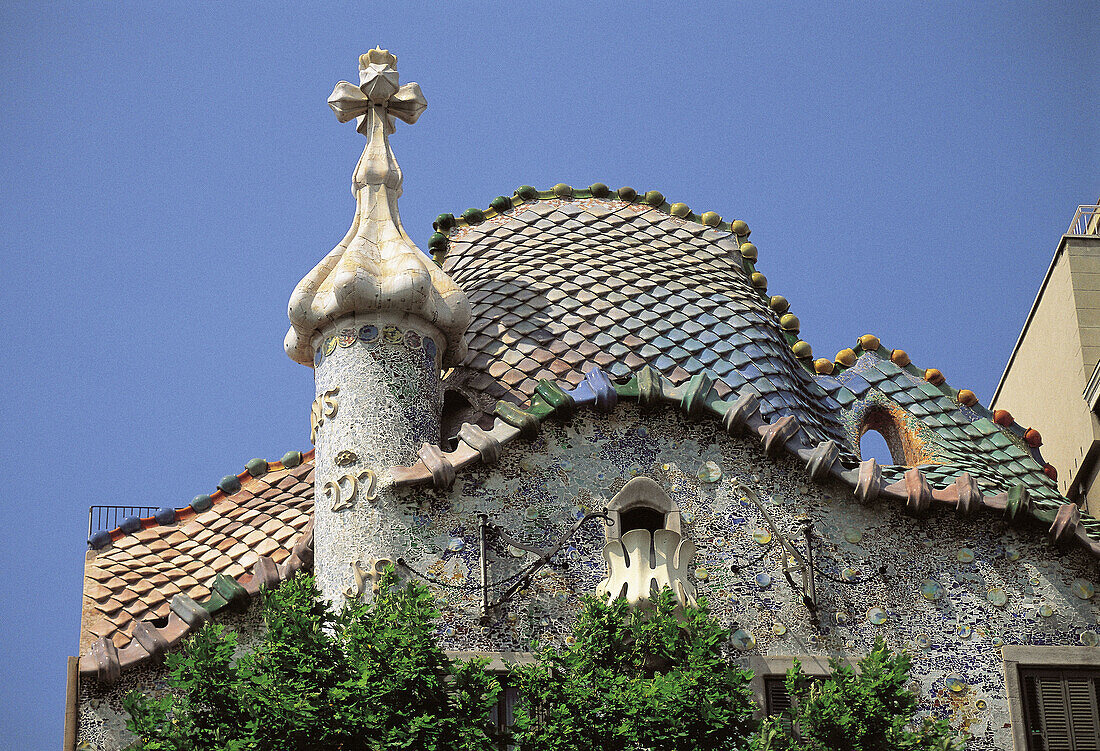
[(172, 172)]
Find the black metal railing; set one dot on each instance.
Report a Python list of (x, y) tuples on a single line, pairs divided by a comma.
[(109, 517)]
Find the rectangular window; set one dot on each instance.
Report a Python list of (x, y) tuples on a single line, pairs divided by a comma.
[(1061, 709), (502, 714)]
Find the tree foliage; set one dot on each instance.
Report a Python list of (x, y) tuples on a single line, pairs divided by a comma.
[(636, 678), (656, 678), (866, 710), (370, 677)]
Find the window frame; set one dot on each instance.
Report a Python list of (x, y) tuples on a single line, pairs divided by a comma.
[(1018, 658), (642, 492), (764, 667), (500, 667)]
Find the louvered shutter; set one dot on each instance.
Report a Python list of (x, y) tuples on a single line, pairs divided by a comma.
[(776, 698), (1081, 698), (1061, 710)]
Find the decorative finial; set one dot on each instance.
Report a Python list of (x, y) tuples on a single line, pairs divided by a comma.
[(376, 103), (376, 268)]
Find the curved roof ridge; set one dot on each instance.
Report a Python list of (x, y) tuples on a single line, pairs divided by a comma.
[(227, 486), (741, 414)]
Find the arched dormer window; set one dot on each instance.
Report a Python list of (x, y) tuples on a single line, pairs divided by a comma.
[(642, 504), (644, 550)]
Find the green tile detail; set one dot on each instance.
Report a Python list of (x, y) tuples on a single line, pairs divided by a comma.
[(988, 427), (527, 423), (629, 389), (1018, 503), (559, 401), (929, 389), (229, 588), (918, 409)]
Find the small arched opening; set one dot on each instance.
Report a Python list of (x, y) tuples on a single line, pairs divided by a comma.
[(642, 517), (641, 504), (881, 439), (457, 409)]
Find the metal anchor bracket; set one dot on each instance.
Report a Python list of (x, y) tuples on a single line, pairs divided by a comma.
[(803, 565), (486, 528)]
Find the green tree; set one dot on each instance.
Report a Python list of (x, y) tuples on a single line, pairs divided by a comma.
[(371, 677), (656, 678), (866, 710)]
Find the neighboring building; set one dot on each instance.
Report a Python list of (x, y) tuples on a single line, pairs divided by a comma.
[(1051, 381), (581, 352)]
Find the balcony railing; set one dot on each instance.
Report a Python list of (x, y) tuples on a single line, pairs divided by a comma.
[(109, 517), (1086, 221)]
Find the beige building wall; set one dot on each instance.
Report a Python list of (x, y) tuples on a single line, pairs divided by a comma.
[(1043, 384)]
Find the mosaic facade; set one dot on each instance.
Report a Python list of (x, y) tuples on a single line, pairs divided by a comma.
[(951, 591), (385, 371)]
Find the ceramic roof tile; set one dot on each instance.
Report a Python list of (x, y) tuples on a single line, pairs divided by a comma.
[(664, 291), (137, 575)]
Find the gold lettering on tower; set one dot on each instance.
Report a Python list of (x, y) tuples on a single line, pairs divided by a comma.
[(324, 408), (334, 489)]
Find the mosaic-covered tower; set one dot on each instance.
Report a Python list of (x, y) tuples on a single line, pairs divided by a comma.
[(375, 319)]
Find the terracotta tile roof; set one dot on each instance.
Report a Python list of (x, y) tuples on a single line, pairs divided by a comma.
[(145, 585)]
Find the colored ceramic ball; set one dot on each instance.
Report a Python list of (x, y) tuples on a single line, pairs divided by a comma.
[(739, 228), (824, 366), (1003, 417), (869, 342), (599, 190), (1033, 438), (933, 376), (500, 204), (779, 304), (967, 398), (680, 210), (748, 250), (802, 350), (561, 190), (846, 357), (899, 357), (789, 322), (711, 218)]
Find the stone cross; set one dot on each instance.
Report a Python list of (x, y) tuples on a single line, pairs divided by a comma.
[(375, 104), (377, 90)]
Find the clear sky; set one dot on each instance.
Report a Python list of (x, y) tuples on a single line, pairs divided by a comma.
[(170, 173)]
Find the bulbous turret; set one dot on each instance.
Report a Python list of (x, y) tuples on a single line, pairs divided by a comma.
[(376, 267)]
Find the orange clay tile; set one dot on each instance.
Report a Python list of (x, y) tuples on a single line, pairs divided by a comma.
[(137, 575)]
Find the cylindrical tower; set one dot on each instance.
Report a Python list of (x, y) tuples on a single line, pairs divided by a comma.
[(376, 319)]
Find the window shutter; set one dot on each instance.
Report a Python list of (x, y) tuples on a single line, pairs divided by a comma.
[(1062, 710), (1081, 698), (776, 698), (1055, 719)]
